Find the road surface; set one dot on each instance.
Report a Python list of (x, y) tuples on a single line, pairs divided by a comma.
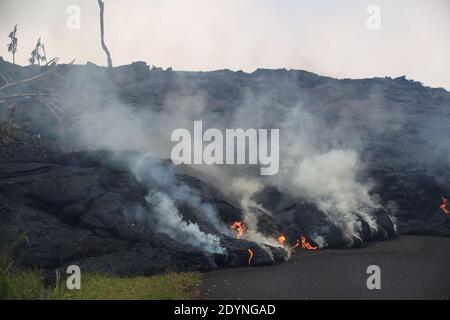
[(412, 267)]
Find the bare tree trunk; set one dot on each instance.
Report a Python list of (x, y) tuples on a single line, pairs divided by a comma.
[(45, 54), (102, 32)]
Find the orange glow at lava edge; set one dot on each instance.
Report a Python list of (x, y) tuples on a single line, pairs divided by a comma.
[(250, 256), (281, 239), (444, 206), (306, 245), (238, 227), (303, 244)]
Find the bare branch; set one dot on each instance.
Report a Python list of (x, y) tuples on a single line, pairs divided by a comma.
[(51, 108), (10, 84), (25, 95), (4, 78)]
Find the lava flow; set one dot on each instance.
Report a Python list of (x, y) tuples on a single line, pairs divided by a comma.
[(444, 206), (281, 239), (304, 244), (238, 227), (250, 256)]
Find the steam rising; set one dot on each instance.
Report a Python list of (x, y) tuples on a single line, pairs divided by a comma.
[(318, 161), (170, 222), (330, 180)]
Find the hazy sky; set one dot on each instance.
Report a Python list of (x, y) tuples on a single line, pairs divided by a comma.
[(326, 37)]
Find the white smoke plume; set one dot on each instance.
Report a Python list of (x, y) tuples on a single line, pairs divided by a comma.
[(245, 190), (330, 180), (171, 222), (318, 162)]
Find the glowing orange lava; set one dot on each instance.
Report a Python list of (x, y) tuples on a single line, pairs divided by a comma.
[(444, 206), (250, 256), (306, 245), (238, 227), (303, 244), (281, 239)]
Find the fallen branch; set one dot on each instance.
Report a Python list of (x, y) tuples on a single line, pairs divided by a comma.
[(26, 95), (11, 84), (52, 62), (4, 78), (51, 109), (63, 113)]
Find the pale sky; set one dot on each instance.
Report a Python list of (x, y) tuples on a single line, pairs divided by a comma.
[(326, 37)]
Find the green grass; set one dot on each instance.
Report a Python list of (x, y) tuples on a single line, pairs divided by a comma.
[(20, 284), (172, 286), (29, 285)]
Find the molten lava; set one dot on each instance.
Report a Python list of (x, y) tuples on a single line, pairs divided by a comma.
[(250, 256), (304, 244), (444, 206), (281, 239), (238, 227)]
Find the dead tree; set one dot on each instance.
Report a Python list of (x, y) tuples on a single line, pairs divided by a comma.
[(12, 46), (101, 4), (36, 54), (44, 57)]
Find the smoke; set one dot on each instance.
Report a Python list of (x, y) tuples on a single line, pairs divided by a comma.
[(105, 122), (166, 192), (171, 222), (245, 189), (330, 180), (319, 157), (156, 174), (320, 162)]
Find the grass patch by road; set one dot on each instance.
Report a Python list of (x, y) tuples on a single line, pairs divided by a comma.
[(29, 285), (172, 286), (20, 284)]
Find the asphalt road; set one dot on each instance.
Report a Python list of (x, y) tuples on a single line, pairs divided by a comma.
[(412, 267)]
